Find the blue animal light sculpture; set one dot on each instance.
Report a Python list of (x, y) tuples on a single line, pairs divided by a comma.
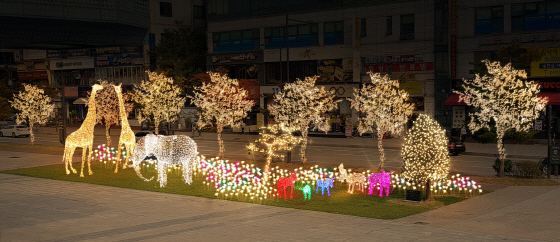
[(324, 184), (306, 192)]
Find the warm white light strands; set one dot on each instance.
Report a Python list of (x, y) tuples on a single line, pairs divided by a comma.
[(504, 96), (275, 137), (127, 137), (107, 104), (384, 106), (33, 107), (168, 150), (425, 153), (301, 104), (83, 137), (352, 179), (159, 99), (221, 101)]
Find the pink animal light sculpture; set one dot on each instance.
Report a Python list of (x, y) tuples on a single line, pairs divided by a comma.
[(383, 179), (285, 182)]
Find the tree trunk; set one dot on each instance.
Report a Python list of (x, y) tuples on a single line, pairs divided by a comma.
[(220, 142), (156, 123), (108, 135), (31, 134), (303, 145), (380, 147), (429, 192), (501, 150), (267, 167)]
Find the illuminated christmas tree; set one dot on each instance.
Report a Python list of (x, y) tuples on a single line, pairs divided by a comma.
[(107, 105), (223, 102), (383, 106), (504, 98), (301, 104), (33, 106), (159, 99), (274, 138), (425, 154)]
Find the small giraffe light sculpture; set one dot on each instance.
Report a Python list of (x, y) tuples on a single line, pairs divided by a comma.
[(127, 137), (384, 181), (285, 182), (83, 137), (352, 179), (324, 184), (306, 192)]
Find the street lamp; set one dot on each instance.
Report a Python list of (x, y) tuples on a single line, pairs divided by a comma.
[(9, 82), (62, 133)]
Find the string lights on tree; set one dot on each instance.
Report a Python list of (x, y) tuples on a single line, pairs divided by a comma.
[(425, 154), (301, 104), (159, 99), (274, 137), (33, 106), (107, 103), (384, 106), (223, 102), (504, 98)]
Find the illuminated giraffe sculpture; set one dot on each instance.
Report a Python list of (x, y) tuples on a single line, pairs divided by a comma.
[(83, 137), (127, 136)]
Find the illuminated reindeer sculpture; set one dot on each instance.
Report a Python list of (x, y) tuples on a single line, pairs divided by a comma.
[(285, 182), (352, 179)]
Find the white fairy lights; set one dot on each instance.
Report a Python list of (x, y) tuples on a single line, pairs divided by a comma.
[(384, 106), (425, 153), (159, 99), (83, 137), (222, 101), (169, 151), (505, 97), (33, 107), (300, 104)]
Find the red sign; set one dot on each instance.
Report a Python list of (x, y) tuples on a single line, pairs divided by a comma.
[(453, 55), (33, 75)]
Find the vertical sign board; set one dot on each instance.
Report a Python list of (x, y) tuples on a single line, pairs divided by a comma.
[(554, 152)]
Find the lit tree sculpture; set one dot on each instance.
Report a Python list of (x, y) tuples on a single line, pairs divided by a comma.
[(384, 106), (275, 137), (33, 106), (300, 104), (159, 99), (503, 97), (107, 104), (425, 154), (221, 101)]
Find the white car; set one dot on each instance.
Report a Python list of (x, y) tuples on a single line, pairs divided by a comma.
[(15, 131)]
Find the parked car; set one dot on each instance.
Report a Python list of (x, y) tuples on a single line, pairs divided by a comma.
[(455, 146), (143, 133), (15, 131)]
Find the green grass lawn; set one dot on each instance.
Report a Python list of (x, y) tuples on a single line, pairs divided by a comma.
[(340, 201)]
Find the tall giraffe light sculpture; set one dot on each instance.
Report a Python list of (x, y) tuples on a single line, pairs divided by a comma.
[(127, 136), (83, 137)]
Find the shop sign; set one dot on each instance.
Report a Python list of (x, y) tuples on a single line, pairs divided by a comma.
[(54, 54), (549, 65), (306, 53), (412, 87), (34, 54), (108, 50), (132, 49), (403, 67), (119, 60), (538, 124), (29, 66), (34, 75), (71, 64), (237, 57), (390, 59), (458, 116), (78, 53)]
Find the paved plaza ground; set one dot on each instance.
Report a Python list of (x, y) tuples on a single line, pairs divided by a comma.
[(34, 209)]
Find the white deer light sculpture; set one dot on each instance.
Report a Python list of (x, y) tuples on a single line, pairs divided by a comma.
[(352, 179), (168, 150)]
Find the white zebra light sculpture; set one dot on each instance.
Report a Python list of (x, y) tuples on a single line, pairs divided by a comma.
[(168, 150)]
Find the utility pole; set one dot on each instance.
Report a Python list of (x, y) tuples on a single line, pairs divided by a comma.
[(62, 133)]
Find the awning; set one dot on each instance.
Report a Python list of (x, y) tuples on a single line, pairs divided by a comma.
[(82, 100), (453, 100), (553, 99)]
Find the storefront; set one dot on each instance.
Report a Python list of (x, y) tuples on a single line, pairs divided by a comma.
[(124, 69), (238, 65), (72, 72)]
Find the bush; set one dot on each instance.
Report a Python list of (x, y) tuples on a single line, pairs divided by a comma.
[(485, 136), (508, 166), (528, 169)]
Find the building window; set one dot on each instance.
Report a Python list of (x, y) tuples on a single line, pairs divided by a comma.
[(535, 16), (334, 33), (407, 26), (300, 36), (199, 12), (165, 9), (489, 20), (389, 25), (363, 27), (238, 40)]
